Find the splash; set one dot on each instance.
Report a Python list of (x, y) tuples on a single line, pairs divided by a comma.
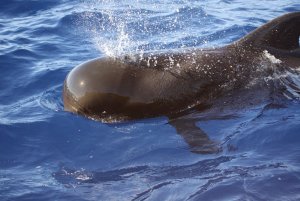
[(271, 57), (285, 79), (114, 48), (105, 22), (134, 27), (282, 79)]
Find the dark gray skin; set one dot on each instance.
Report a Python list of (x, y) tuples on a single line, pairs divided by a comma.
[(118, 89)]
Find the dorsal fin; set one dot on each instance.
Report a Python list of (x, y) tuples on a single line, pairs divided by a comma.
[(281, 33)]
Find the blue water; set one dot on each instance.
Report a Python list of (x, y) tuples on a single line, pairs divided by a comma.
[(49, 154)]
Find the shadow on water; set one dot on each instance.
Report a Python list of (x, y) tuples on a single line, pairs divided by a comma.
[(150, 179)]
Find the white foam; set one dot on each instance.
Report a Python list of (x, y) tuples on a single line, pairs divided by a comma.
[(271, 57)]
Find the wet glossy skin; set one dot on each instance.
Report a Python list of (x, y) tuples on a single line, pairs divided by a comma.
[(108, 86), (119, 88), (164, 84)]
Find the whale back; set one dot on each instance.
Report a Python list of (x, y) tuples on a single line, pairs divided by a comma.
[(281, 33)]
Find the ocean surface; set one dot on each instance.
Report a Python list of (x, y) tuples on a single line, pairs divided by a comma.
[(49, 154)]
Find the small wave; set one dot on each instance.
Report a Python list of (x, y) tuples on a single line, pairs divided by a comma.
[(47, 48), (24, 111), (284, 80), (23, 40), (24, 53), (20, 8), (146, 182), (75, 24), (292, 8), (290, 82), (86, 19), (71, 176), (51, 99)]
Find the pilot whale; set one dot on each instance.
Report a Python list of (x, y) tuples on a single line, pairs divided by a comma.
[(155, 84), (166, 83)]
